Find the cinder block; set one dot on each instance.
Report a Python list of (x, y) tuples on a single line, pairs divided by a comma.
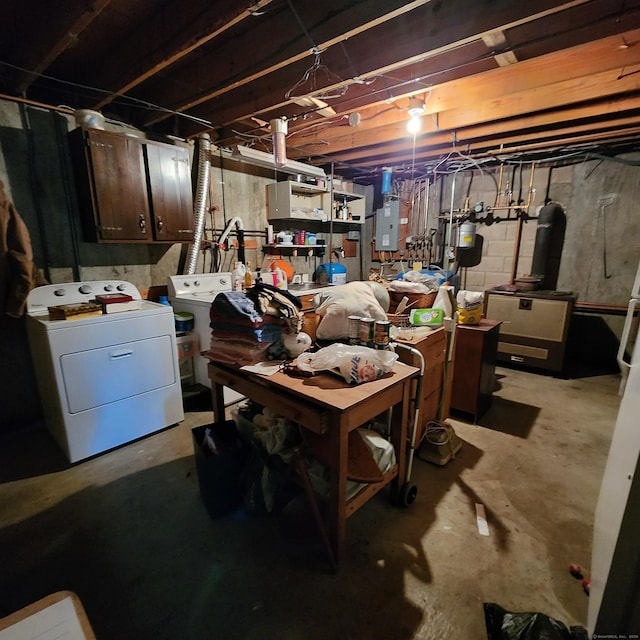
[(500, 248)]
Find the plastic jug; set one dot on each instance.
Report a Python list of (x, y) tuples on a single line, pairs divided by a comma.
[(237, 277), (284, 272), (275, 277)]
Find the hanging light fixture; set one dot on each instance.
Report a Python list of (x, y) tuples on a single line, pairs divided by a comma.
[(278, 132), (416, 109)]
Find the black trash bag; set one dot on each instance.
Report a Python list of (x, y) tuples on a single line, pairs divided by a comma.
[(504, 625)]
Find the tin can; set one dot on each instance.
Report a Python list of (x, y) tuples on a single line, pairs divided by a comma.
[(354, 329), (367, 332), (382, 328)]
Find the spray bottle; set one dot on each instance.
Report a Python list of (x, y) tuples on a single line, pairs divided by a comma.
[(237, 276)]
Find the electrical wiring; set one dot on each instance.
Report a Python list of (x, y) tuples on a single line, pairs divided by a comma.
[(120, 99), (438, 433)]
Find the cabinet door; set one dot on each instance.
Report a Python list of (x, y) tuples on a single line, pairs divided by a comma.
[(119, 186), (170, 188)]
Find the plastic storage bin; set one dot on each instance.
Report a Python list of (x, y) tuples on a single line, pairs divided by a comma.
[(188, 349)]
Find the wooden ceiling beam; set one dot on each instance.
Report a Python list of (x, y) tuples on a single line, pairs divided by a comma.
[(516, 140), (557, 95), (603, 57), (458, 31), (305, 53), (437, 142), (45, 50), (157, 60)]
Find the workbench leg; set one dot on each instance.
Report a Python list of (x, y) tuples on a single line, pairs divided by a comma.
[(217, 401), (338, 490), (303, 473)]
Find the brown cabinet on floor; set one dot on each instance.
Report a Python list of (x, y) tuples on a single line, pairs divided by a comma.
[(432, 346), (474, 363)]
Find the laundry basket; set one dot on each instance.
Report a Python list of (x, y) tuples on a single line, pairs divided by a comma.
[(416, 300)]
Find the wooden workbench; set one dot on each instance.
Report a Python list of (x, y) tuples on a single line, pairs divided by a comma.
[(329, 407)]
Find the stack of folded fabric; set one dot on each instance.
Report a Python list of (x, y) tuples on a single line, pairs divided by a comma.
[(240, 334), (277, 303)]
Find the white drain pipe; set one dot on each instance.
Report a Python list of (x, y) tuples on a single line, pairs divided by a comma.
[(239, 232)]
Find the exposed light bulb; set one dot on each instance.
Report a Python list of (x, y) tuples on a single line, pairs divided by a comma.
[(416, 109), (414, 124)]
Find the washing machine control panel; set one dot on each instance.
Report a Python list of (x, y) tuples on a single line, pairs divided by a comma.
[(200, 285)]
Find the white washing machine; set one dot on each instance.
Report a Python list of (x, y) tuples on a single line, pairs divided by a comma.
[(104, 380), (194, 294)]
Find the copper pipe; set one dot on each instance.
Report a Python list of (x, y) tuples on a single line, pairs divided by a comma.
[(516, 251)]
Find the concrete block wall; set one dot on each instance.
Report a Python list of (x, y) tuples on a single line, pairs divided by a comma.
[(601, 247)]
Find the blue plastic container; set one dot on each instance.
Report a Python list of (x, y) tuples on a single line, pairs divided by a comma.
[(337, 273)]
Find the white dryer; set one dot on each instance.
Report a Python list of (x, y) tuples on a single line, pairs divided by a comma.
[(194, 294), (104, 380)]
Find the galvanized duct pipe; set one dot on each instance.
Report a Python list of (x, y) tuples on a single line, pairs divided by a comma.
[(200, 202)]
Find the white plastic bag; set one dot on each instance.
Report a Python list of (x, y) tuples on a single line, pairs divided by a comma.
[(445, 300), (354, 363), (469, 299)]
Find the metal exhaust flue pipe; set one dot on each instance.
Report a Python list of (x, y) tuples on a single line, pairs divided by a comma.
[(200, 201)]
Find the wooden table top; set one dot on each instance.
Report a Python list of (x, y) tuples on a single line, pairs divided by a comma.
[(328, 389)]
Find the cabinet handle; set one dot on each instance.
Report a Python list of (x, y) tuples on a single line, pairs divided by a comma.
[(160, 224), (142, 223)]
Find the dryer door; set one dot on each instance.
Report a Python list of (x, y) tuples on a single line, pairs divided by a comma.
[(96, 377)]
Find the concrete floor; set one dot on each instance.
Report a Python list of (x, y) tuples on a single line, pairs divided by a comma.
[(128, 533)]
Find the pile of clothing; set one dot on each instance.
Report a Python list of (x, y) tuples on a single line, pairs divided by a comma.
[(246, 328)]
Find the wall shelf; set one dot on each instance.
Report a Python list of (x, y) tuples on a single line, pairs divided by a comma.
[(295, 249), (301, 201)]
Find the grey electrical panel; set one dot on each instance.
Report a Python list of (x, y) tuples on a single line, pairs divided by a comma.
[(387, 226)]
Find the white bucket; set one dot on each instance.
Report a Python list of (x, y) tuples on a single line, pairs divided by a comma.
[(467, 235)]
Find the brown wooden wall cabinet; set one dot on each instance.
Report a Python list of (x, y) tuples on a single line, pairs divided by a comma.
[(131, 189), (474, 363)]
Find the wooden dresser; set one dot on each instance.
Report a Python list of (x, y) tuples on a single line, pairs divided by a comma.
[(432, 346)]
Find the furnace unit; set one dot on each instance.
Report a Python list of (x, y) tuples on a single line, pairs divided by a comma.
[(534, 326)]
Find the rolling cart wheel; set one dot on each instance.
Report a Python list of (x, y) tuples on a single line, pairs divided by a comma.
[(408, 494)]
